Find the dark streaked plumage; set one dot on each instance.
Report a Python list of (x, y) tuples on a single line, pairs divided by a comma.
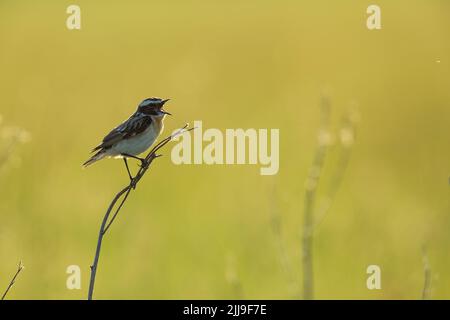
[(135, 125)]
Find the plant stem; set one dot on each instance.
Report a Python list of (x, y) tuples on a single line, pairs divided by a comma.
[(310, 194), (106, 223), (20, 267)]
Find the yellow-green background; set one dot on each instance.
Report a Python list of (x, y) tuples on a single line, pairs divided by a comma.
[(204, 231)]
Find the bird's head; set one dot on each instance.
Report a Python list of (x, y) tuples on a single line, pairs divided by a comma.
[(153, 107)]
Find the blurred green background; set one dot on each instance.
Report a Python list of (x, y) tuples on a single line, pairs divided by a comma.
[(207, 231)]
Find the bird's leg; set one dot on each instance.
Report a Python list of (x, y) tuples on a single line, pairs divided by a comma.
[(128, 169), (142, 160), (132, 180)]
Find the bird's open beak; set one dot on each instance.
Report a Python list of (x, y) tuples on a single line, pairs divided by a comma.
[(163, 111)]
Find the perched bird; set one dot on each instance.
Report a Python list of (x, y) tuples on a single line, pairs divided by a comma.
[(133, 136)]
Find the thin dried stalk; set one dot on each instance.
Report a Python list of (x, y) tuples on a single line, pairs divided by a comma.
[(285, 262), (310, 195), (106, 223), (20, 267), (313, 217), (347, 135), (426, 291)]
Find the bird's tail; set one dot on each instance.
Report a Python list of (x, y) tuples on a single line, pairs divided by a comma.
[(98, 156)]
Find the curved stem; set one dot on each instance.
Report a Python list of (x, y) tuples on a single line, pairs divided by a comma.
[(100, 239), (105, 224)]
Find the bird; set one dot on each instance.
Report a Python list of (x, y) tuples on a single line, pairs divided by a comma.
[(133, 136)]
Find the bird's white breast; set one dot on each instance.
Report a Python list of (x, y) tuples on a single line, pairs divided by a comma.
[(139, 143)]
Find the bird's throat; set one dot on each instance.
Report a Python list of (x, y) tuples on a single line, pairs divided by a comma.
[(158, 124)]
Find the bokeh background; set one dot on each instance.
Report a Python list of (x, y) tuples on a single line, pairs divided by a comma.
[(208, 231)]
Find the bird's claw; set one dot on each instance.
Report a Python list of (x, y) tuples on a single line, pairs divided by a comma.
[(143, 163), (133, 183)]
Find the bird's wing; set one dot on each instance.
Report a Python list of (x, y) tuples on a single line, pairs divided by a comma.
[(135, 125)]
